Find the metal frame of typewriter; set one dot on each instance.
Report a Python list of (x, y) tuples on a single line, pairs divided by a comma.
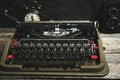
[(99, 70)]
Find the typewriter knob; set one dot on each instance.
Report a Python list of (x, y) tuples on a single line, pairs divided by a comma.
[(94, 57), (10, 56)]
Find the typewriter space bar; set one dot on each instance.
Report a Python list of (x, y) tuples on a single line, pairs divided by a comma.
[(49, 65)]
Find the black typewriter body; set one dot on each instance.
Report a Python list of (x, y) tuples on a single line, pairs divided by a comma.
[(55, 48), (55, 37)]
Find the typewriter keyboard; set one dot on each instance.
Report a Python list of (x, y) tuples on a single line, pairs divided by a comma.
[(53, 52)]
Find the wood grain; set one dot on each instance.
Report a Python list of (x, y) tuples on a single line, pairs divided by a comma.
[(111, 42)]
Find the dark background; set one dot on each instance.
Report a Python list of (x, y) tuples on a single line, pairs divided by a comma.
[(56, 10)]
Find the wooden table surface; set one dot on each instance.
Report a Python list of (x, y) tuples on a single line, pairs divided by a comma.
[(111, 42), (112, 53)]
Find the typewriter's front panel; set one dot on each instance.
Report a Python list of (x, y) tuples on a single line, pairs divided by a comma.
[(55, 48)]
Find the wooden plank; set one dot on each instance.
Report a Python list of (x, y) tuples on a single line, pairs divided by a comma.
[(114, 65), (111, 42)]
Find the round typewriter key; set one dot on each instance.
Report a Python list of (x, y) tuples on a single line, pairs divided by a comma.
[(72, 45), (96, 47), (91, 42), (78, 45), (94, 57), (10, 56), (52, 45), (58, 45), (14, 42)]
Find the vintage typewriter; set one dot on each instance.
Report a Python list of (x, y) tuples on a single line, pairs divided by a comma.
[(53, 48), (55, 38)]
